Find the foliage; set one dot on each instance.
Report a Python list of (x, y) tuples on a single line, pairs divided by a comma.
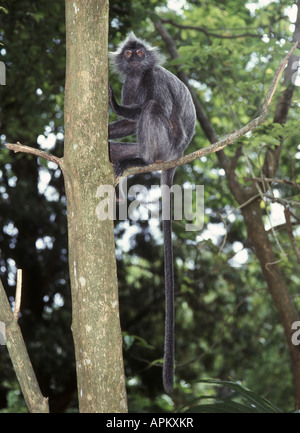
[(15, 402), (226, 324), (241, 400)]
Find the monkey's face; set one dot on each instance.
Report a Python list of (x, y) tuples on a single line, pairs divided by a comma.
[(134, 56)]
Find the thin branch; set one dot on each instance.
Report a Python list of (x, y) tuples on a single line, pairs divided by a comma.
[(230, 138), (250, 200), (18, 294), (282, 226), (282, 201), (273, 180), (209, 33), (18, 147)]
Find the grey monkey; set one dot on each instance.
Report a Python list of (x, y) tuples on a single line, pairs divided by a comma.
[(158, 108)]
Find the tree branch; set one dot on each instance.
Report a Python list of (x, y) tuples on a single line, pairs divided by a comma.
[(230, 138), (18, 295), (272, 180), (18, 147), (208, 33), (34, 399)]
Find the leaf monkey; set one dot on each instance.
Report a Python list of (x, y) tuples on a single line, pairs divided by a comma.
[(158, 108)]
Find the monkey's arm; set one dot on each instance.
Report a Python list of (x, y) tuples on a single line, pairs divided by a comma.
[(132, 113)]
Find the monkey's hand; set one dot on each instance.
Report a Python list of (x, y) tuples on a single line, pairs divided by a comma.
[(110, 91), (113, 103), (131, 112)]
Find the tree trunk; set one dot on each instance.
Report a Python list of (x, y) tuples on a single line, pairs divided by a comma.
[(276, 284), (95, 305)]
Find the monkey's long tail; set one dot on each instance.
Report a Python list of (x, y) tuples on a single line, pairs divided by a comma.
[(169, 350)]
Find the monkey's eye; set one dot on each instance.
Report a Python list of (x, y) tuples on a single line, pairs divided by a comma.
[(140, 52), (128, 54)]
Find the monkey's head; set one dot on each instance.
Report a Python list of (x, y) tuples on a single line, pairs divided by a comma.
[(135, 56)]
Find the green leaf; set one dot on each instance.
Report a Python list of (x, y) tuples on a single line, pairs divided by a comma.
[(251, 402)]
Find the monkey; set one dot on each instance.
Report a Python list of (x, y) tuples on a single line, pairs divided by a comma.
[(158, 108)]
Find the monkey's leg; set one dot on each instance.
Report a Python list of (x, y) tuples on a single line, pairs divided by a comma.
[(154, 134), (119, 151), (124, 155), (121, 128)]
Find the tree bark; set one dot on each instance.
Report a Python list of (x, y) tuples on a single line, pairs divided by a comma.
[(95, 305)]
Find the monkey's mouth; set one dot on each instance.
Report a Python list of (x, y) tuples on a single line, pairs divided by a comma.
[(135, 64)]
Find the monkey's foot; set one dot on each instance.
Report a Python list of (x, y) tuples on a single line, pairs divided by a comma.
[(123, 164)]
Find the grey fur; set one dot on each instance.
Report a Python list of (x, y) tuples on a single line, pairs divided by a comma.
[(116, 57), (158, 107)]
